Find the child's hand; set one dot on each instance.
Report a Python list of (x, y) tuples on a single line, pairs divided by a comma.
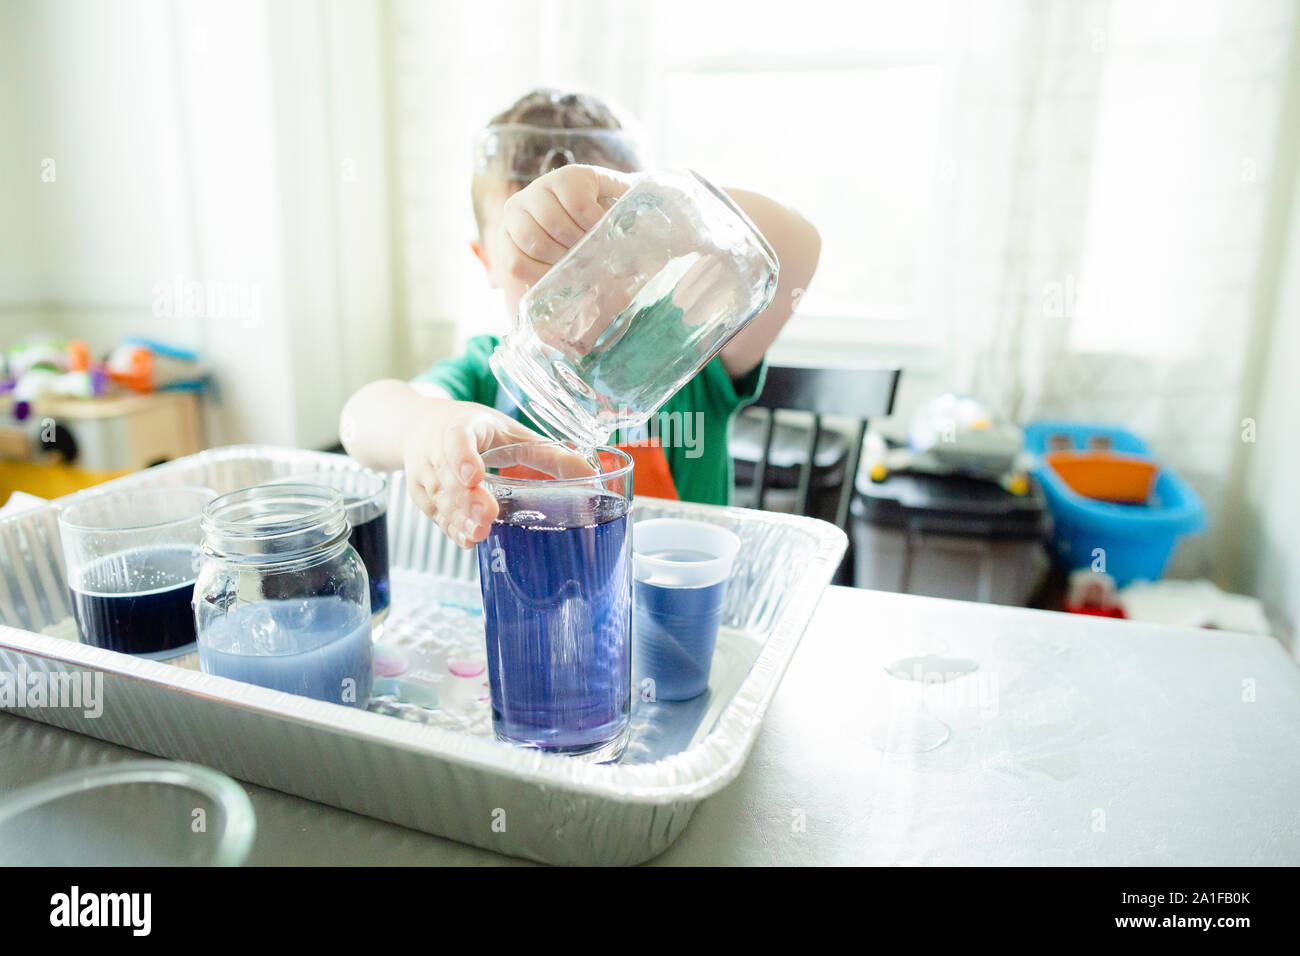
[(549, 215), (444, 466)]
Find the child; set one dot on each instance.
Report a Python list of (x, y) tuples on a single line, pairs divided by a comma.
[(547, 169)]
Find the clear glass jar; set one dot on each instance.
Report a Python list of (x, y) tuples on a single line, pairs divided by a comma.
[(365, 496), (636, 308), (282, 599)]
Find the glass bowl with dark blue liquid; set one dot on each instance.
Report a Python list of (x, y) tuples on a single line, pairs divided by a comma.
[(282, 598), (365, 498), (556, 577), (132, 558)]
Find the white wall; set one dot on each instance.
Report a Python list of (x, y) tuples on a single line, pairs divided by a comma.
[(1265, 549), (202, 141)]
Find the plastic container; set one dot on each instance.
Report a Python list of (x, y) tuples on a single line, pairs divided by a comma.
[(435, 770), (130, 813), (1128, 542), (282, 599), (1105, 475), (948, 536), (132, 560), (635, 308), (680, 573)]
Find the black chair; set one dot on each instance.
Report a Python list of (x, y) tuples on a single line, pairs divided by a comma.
[(860, 393)]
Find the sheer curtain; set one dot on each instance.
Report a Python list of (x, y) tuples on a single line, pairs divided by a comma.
[(1090, 237)]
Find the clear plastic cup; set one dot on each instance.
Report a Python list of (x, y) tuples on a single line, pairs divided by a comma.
[(130, 813), (131, 561), (680, 573)]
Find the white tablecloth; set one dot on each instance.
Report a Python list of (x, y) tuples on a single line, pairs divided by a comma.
[(1076, 741)]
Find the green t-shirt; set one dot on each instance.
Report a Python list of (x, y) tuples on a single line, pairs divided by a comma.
[(694, 425)]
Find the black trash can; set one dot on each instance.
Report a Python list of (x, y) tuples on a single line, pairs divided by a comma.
[(949, 536)]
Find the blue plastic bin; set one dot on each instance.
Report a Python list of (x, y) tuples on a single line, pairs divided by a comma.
[(1136, 540)]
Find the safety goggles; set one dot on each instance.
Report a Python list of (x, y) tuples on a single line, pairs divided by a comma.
[(522, 153)]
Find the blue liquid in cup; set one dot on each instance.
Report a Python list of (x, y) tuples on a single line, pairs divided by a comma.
[(137, 601), (370, 539), (555, 573), (322, 648), (676, 630)]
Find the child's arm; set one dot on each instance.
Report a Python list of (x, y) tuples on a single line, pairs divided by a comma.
[(798, 246), (553, 212), (439, 442)]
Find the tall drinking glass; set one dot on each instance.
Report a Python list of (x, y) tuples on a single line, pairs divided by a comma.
[(132, 560), (556, 575)]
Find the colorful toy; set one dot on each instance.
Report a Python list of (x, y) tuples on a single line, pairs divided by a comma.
[(145, 365), (957, 435), (43, 366), (1093, 592), (1105, 475), (1129, 542)]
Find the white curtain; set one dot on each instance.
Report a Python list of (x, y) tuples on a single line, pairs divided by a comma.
[(1106, 219)]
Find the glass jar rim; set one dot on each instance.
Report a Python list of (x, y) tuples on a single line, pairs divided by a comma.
[(624, 468), (327, 479), (307, 517), (70, 512)]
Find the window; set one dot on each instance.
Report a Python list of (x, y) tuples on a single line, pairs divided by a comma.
[(832, 108), (1176, 163)]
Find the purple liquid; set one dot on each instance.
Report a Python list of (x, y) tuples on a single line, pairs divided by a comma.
[(556, 579), (137, 602), (318, 647), (370, 539)]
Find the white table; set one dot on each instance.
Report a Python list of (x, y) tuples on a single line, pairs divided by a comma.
[(1075, 741)]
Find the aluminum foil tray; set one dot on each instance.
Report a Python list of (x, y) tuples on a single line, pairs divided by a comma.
[(423, 755)]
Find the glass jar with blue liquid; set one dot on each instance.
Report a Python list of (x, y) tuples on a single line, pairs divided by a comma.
[(365, 498), (282, 598)]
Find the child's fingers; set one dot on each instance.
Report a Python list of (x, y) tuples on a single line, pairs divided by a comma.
[(546, 210), (423, 500), (580, 195), (554, 460), (461, 459), (462, 462), (505, 430), (463, 513), (481, 511), (527, 229)]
